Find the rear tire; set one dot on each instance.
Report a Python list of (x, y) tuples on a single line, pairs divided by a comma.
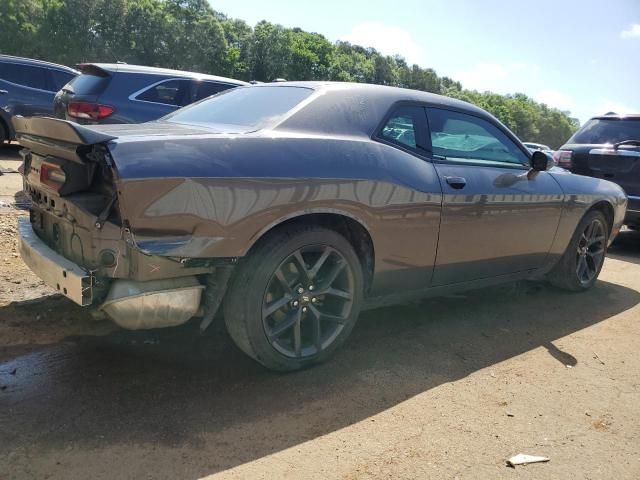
[(295, 298), (579, 267)]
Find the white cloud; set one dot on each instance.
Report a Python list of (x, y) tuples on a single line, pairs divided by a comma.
[(387, 39), (633, 31), (555, 99), (606, 106), (496, 77), (483, 76)]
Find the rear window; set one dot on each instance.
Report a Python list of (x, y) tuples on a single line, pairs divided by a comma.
[(607, 130), (89, 84), (242, 109), (25, 75)]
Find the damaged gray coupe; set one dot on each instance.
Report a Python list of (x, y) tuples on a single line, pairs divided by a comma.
[(296, 205)]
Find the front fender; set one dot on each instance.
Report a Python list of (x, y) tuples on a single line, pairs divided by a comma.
[(581, 194)]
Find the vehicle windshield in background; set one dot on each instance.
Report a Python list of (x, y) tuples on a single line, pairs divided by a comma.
[(242, 109), (607, 130)]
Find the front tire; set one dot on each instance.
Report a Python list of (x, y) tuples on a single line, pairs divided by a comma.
[(296, 297), (579, 267)]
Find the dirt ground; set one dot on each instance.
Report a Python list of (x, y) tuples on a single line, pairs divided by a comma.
[(446, 388)]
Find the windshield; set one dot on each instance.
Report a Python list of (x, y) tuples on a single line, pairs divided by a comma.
[(242, 109), (607, 130)]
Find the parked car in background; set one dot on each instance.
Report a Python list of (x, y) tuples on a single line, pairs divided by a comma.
[(608, 147), (27, 87), (121, 93), (536, 146), (299, 204)]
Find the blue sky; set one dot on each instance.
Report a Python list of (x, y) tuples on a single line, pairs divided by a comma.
[(577, 55)]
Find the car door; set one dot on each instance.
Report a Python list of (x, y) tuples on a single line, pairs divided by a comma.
[(27, 89), (498, 216)]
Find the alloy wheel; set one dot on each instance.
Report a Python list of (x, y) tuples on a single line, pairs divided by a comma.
[(308, 301), (590, 251)]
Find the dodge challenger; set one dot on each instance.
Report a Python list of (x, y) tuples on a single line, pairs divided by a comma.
[(296, 205)]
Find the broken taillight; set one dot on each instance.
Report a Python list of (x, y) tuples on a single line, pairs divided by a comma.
[(52, 176), (89, 110)]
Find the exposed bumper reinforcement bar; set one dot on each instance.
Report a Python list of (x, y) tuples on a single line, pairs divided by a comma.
[(59, 273)]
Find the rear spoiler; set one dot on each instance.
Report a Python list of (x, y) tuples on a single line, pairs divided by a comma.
[(55, 137), (93, 69)]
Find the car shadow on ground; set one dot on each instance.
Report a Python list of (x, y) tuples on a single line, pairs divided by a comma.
[(172, 388), (626, 247), (10, 151)]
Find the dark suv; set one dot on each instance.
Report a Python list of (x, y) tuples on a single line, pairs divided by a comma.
[(121, 93), (608, 147), (27, 87)]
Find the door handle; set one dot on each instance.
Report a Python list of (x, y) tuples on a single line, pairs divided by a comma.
[(3, 92), (456, 182)]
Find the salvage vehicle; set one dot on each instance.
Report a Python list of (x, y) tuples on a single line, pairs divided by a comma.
[(295, 205), (608, 147)]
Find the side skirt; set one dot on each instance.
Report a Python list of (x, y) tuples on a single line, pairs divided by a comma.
[(404, 297)]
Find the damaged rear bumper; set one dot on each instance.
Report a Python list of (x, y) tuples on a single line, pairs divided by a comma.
[(129, 303), (56, 271)]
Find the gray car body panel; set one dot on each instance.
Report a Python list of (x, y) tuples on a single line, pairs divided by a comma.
[(188, 191)]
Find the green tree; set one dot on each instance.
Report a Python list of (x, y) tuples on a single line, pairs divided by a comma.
[(190, 35), (269, 51)]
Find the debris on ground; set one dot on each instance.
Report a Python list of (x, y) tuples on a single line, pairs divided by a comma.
[(523, 459)]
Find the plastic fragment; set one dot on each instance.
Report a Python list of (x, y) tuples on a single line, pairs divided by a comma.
[(523, 459)]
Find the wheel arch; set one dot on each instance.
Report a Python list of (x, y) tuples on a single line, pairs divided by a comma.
[(349, 226), (607, 210)]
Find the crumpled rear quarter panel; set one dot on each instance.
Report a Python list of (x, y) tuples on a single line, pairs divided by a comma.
[(236, 191)]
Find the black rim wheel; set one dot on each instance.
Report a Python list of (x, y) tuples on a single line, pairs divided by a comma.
[(590, 252), (308, 301)]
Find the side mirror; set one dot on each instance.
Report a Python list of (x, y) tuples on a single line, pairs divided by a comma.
[(539, 161)]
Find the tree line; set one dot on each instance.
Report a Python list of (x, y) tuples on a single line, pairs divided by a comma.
[(191, 35)]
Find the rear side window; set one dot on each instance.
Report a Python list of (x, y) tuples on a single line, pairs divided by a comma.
[(204, 89), (607, 130), (405, 127), (89, 84), (25, 75), (465, 138), (169, 92), (60, 78)]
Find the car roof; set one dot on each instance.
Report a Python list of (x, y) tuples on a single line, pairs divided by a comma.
[(617, 116), (33, 61), (362, 106), (394, 94), (126, 68)]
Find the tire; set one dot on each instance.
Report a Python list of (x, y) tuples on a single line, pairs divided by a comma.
[(4, 133), (579, 267), (281, 327)]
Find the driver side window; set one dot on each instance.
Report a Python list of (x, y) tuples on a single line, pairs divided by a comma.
[(463, 138)]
